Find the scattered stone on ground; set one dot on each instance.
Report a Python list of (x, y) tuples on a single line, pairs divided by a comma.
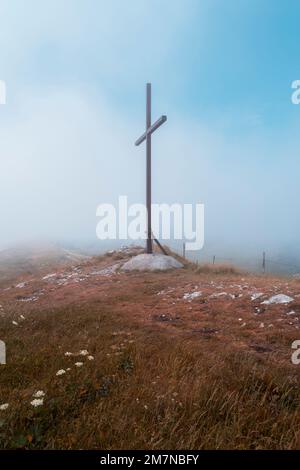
[(256, 295), (192, 295), (278, 299)]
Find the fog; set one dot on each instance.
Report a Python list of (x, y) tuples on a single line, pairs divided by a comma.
[(68, 146), (64, 153)]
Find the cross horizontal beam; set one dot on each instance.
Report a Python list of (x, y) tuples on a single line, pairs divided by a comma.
[(151, 129)]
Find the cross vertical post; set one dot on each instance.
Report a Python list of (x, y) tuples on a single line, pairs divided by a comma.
[(150, 128), (148, 168)]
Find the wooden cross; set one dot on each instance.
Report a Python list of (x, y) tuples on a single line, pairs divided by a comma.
[(150, 128)]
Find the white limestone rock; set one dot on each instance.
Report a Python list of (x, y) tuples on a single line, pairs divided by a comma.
[(151, 262)]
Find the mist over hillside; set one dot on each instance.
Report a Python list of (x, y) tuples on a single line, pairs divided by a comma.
[(29, 256)]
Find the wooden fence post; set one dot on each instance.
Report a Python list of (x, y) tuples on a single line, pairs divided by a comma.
[(264, 262)]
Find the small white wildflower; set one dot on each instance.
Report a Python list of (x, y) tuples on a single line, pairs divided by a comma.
[(68, 353), (4, 406), (15, 323), (37, 402), (39, 394), (22, 317), (60, 372), (84, 352), (69, 368), (91, 358), (78, 364)]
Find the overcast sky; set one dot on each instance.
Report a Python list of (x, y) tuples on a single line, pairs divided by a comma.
[(221, 70)]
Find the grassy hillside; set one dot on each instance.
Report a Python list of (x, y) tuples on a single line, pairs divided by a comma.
[(169, 370)]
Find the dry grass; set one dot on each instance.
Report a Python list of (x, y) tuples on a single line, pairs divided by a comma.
[(153, 384), (222, 269), (155, 393)]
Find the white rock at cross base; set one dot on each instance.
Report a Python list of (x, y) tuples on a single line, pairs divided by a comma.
[(151, 262)]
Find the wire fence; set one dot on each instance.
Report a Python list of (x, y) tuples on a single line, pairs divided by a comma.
[(258, 263)]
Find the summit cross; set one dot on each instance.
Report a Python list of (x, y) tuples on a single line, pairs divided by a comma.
[(150, 128)]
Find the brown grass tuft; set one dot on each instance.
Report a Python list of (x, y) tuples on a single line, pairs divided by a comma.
[(221, 269)]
